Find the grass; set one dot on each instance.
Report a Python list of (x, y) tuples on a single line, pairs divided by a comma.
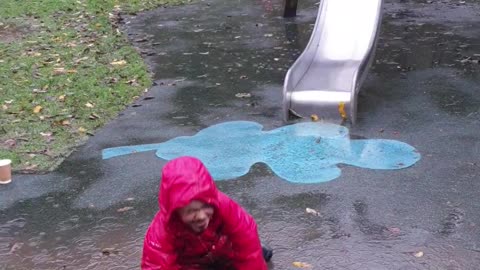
[(65, 70)]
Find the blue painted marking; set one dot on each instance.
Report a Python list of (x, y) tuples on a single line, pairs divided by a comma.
[(301, 153)]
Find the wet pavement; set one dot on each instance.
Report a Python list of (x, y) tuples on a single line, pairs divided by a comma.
[(424, 89)]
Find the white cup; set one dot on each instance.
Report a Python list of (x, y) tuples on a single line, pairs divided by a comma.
[(5, 171)]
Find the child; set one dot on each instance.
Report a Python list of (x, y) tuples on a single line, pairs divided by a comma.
[(199, 227)]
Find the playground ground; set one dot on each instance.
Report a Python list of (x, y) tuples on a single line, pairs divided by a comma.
[(422, 90)]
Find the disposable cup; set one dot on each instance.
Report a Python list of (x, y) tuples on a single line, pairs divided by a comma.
[(5, 171)]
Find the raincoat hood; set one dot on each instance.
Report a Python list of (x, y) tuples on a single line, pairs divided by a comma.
[(185, 179)]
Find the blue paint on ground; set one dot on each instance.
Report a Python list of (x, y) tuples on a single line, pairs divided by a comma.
[(301, 153)]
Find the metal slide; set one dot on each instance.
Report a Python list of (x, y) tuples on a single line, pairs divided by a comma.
[(326, 78)]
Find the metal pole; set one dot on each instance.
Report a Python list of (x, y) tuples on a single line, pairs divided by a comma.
[(290, 8)]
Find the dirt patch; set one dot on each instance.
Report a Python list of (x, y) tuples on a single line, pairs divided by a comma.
[(10, 33), (15, 31)]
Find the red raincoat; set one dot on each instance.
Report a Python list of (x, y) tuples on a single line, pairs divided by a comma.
[(230, 242)]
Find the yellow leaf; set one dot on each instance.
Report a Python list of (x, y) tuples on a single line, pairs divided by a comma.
[(37, 109), (71, 71), (89, 105), (82, 130), (314, 117), (118, 63), (65, 123), (302, 265), (341, 110), (61, 98)]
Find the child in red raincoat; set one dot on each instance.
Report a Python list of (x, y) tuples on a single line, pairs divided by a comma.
[(199, 227)]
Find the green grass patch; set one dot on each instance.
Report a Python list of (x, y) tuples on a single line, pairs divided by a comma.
[(65, 70)]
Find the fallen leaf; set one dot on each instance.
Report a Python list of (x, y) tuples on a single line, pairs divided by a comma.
[(59, 71), (243, 95), (65, 123), (124, 209), (61, 98), (312, 211), (108, 251), (118, 63), (130, 199), (16, 246), (82, 130), (133, 82), (31, 167), (302, 265), (314, 117), (37, 109), (80, 60), (418, 254), (341, 110), (93, 116), (4, 107), (8, 101), (10, 143), (89, 105), (37, 91), (243, 77), (47, 136), (394, 230)]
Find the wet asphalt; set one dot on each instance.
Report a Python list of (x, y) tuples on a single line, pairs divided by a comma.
[(423, 89)]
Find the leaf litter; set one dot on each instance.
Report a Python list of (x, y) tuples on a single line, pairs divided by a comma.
[(55, 112)]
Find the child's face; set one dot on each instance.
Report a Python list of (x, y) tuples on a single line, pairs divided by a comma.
[(197, 215)]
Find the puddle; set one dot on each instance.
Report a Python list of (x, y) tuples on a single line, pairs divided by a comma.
[(299, 153)]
